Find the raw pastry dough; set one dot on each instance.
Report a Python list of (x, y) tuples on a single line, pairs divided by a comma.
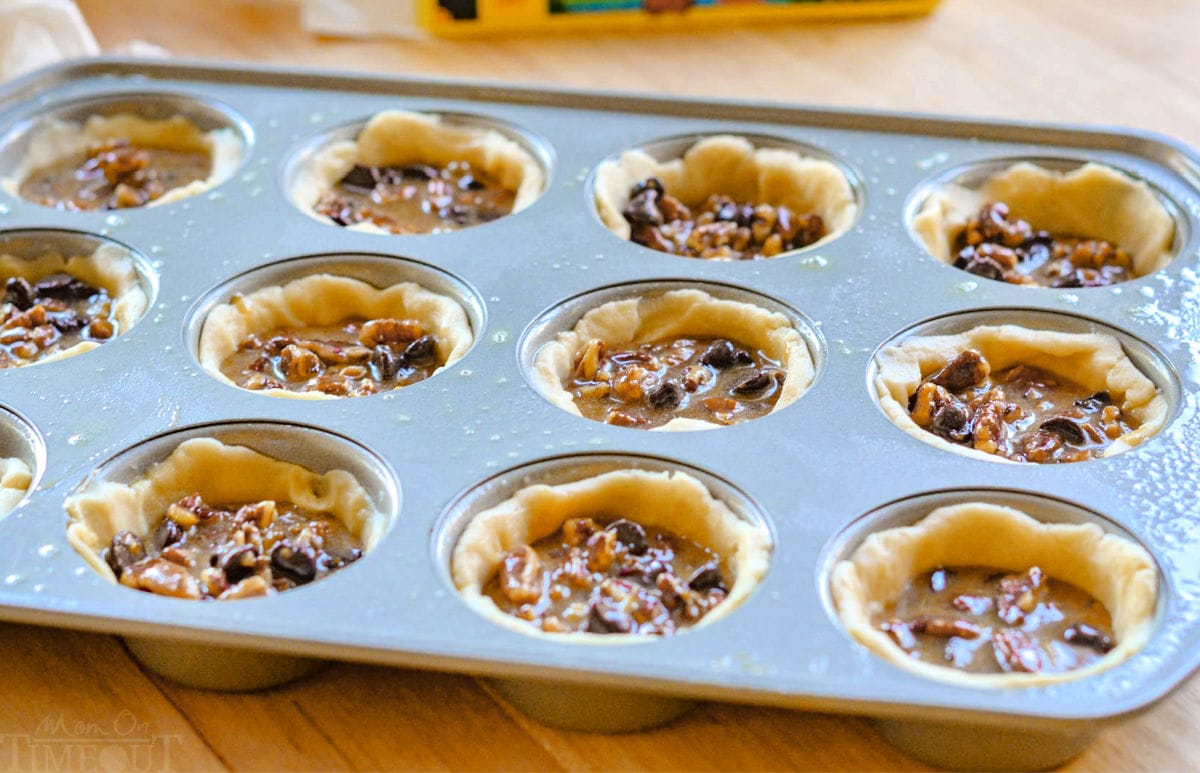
[(676, 313), (1093, 360), (731, 166), (221, 474), (1116, 572), (60, 139), (1093, 201), (15, 478), (110, 267), (324, 299), (398, 137), (673, 501)]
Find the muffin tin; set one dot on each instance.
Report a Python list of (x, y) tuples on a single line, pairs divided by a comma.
[(822, 472)]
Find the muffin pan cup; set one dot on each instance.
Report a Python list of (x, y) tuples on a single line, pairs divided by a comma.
[(813, 469)]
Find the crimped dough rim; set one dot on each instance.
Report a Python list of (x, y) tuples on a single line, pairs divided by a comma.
[(1093, 201), (731, 165), (676, 313), (58, 139), (221, 474), (326, 299), (672, 500), (398, 137), (15, 477), (1112, 569), (109, 266), (1094, 360)]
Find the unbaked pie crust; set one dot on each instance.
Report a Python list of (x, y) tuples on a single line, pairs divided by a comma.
[(1116, 572), (673, 501), (1096, 361), (676, 314)]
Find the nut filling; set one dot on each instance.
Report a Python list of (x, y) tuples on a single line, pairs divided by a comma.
[(114, 173), (996, 245), (609, 578), (350, 359), (417, 198), (203, 551), (650, 384), (720, 228), (51, 315), (982, 620), (1022, 413)]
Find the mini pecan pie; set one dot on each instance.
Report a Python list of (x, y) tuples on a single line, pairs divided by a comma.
[(122, 161), (625, 553), (55, 307), (221, 521), (676, 361), (724, 199), (1091, 227), (1011, 393), (409, 173), (981, 594), (326, 336)]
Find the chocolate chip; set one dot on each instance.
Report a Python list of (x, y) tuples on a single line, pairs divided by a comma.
[(469, 183), (126, 549), (424, 348), (64, 287), (167, 533), (706, 578), (728, 211), (419, 172), (643, 209), (649, 184), (752, 385), (603, 618), (19, 293), (364, 178), (668, 395), (386, 362), (963, 372), (951, 421), (631, 535), (723, 354), (1087, 636), (239, 563), (1095, 402), (1066, 428), (296, 564), (68, 321)]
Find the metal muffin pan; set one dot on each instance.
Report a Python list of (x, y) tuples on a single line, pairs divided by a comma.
[(812, 469)]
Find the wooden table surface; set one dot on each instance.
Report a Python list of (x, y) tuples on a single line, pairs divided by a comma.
[(1085, 61)]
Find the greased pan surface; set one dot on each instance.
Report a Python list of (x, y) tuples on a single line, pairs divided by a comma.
[(812, 470)]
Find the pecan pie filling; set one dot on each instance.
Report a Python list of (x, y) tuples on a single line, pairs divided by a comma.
[(416, 199), (1022, 413), (204, 551), (114, 174), (981, 620), (609, 577), (51, 315), (349, 359), (997, 245), (719, 228), (648, 385)]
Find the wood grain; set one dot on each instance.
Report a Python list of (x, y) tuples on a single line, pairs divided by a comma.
[(1085, 61)]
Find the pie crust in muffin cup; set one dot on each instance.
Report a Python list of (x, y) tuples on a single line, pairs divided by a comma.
[(109, 266), (676, 313), (746, 168), (1096, 361), (670, 500), (398, 138), (219, 473), (1112, 569), (56, 140), (324, 300), (1086, 201)]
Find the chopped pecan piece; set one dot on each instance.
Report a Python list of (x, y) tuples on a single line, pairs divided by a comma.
[(521, 576)]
